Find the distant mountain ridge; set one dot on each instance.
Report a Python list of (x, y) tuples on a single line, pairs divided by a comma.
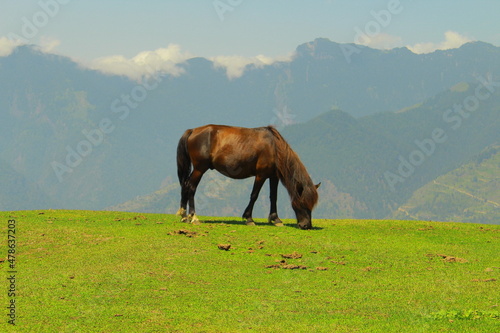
[(375, 81), (50, 107)]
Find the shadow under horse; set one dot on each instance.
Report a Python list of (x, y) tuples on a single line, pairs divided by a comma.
[(239, 153)]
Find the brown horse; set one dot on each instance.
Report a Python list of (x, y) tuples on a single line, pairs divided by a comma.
[(239, 153)]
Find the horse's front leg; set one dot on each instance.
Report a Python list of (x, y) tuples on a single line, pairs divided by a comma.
[(257, 185), (273, 196)]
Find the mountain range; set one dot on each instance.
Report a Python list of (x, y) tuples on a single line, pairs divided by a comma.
[(375, 128)]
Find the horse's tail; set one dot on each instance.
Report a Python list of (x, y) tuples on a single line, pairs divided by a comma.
[(183, 159)]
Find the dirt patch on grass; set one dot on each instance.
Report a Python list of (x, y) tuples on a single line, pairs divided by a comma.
[(452, 258), (184, 232), (224, 247), (485, 280), (293, 255), (448, 258), (284, 265), (370, 268), (293, 266), (426, 228)]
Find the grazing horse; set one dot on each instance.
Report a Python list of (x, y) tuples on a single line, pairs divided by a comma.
[(239, 153)]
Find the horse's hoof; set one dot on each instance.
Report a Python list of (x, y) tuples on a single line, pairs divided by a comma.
[(250, 223), (194, 220), (181, 212), (277, 222)]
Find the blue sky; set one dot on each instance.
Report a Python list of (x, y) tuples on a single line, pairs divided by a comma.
[(90, 29)]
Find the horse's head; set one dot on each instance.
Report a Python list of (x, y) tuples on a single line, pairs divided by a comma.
[(303, 209), (303, 218)]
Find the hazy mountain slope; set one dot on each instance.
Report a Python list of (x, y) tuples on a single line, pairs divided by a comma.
[(380, 160), (47, 103), (470, 193), (18, 192), (365, 164), (52, 110)]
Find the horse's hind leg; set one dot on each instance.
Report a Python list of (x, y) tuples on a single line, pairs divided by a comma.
[(273, 214), (182, 212), (257, 185), (194, 180)]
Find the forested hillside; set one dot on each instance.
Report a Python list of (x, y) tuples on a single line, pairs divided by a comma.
[(470, 193)]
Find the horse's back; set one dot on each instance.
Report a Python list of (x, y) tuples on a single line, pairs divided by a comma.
[(237, 152), (241, 140), (223, 135)]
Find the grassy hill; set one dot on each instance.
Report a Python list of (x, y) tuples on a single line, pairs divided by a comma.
[(470, 193), (82, 271)]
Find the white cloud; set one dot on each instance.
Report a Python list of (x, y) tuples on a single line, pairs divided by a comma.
[(452, 40), (382, 41), (164, 60), (236, 65), (147, 63), (48, 44), (7, 46)]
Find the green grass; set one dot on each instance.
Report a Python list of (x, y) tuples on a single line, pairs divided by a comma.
[(80, 271)]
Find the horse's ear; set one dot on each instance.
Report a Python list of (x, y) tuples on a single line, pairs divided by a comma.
[(318, 185)]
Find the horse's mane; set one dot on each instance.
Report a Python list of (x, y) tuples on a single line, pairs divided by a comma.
[(293, 174)]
